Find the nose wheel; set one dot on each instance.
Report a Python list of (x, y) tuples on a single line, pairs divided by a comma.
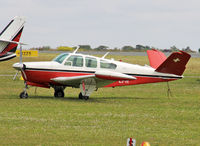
[(24, 94)]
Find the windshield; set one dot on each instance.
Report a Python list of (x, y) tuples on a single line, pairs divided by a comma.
[(60, 57)]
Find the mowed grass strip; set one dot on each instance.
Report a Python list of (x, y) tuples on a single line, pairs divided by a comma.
[(109, 117)]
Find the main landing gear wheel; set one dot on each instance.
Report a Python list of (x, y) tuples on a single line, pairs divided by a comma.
[(80, 96), (23, 94), (59, 94), (83, 97), (86, 97)]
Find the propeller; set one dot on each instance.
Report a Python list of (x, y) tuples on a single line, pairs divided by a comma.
[(22, 67)]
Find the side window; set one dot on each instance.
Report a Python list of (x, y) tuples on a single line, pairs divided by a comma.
[(74, 60), (106, 64), (90, 62)]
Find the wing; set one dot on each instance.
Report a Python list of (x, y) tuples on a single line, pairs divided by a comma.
[(99, 79), (72, 81)]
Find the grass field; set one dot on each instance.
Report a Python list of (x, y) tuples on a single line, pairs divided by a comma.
[(109, 117)]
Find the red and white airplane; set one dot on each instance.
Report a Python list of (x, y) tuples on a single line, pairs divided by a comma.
[(90, 73), (9, 38)]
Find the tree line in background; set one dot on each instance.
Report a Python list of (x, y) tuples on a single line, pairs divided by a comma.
[(137, 48)]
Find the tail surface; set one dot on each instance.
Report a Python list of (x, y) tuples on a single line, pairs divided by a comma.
[(156, 58), (175, 63), (11, 33)]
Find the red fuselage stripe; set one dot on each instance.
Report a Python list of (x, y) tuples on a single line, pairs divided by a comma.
[(44, 77)]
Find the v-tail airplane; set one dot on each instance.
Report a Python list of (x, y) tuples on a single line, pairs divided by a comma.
[(90, 73), (9, 38)]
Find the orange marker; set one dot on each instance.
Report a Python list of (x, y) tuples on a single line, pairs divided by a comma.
[(145, 144)]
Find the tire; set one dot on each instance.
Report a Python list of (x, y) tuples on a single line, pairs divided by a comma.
[(80, 96), (59, 94), (86, 97), (23, 95)]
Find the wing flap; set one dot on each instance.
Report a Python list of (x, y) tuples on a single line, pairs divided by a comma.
[(110, 75)]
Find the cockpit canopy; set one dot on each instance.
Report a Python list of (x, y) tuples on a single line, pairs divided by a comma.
[(77, 60)]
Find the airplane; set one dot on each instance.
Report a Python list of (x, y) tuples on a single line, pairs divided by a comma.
[(9, 38), (90, 73)]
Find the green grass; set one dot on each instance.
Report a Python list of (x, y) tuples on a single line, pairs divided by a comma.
[(109, 117)]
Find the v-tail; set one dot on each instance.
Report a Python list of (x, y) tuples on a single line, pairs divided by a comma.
[(10, 37), (174, 64)]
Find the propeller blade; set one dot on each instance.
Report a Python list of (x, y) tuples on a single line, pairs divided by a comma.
[(24, 74), (20, 57), (15, 75)]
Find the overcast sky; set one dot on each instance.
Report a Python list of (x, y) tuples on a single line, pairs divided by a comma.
[(114, 23)]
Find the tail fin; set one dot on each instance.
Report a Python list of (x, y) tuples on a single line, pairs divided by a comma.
[(12, 32), (175, 63), (156, 58)]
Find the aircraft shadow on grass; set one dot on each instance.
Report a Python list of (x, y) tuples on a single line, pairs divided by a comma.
[(198, 80), (98, 99)]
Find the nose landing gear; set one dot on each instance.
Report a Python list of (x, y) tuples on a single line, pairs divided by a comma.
[(24, 94)]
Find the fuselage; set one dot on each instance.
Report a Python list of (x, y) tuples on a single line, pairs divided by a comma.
[(72, 65)]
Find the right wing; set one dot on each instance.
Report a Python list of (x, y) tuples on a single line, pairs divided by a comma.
[(101, 78)]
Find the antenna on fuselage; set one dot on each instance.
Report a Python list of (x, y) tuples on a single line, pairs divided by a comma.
[(105, 55), (76, 50)]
